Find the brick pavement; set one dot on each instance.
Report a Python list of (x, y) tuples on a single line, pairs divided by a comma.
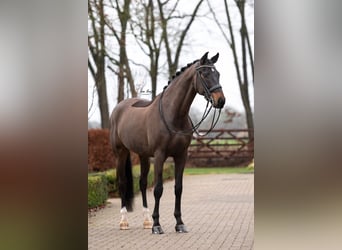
[(218, 211)]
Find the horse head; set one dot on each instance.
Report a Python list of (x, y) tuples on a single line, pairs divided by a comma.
[(207, 81)]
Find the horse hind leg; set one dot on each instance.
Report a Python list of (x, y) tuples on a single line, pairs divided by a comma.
[(144, 170), (125, 183), (124, 220)]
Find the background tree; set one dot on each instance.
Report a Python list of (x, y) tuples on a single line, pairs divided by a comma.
[(146, 31), (96, 59), (156, 32), (240, 57), (122, 66), (154, 25), (174, 36)]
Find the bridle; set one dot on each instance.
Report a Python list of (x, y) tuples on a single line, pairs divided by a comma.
[(207, 90), (207, 95)]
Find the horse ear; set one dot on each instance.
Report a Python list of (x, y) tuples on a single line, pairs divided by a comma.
[(214, 58), (204, 58)]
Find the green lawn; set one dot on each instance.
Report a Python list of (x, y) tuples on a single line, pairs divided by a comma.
[(226, 141), (226, 170)]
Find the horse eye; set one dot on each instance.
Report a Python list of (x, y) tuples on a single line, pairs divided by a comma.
[(212, 69)]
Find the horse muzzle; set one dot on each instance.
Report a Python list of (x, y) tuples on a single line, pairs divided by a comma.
[(218, 100)]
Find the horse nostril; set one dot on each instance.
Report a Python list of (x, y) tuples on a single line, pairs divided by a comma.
[(220, 102)]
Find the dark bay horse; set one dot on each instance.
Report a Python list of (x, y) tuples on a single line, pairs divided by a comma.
[(159, 129)]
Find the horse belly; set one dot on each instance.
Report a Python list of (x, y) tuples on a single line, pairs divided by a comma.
[(133, 135), (139, 147)]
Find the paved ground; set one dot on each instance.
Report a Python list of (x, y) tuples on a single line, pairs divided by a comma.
[(218, 211)]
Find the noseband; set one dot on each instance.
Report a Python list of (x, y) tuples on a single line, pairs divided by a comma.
[(207, 90)]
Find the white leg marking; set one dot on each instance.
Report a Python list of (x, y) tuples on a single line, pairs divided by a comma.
[(124, 219), (147, 218)]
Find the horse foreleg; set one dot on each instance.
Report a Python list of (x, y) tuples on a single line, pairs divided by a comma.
[(179, 169), (144, 169), (158, 191)]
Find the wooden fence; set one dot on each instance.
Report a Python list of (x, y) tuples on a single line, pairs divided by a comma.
[(221, 147)]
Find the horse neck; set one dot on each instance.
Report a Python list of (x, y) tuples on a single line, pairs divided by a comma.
[(179, 95)]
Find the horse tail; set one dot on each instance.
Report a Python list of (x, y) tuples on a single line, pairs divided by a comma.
[(129, 195)]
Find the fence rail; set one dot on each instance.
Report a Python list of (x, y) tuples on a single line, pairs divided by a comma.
[(222, 147)]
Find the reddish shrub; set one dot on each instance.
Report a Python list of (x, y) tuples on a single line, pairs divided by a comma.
[(100, 154)]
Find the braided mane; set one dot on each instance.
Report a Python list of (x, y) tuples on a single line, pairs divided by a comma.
[(181, 71)]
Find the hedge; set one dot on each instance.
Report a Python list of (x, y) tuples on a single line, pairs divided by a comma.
[(100, 154), (111, 183), (97, 190)]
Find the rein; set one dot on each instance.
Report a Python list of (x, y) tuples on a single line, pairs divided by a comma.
[(206, 112), (213, 124)]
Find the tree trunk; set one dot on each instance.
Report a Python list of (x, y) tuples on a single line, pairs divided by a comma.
[(242, 76), (101, 77), (154, 72), (129, 76), (244, 85), (97, 49), (124, 71), (103, 101)]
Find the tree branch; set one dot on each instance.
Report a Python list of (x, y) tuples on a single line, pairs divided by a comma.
[(91, 68), (185, 31), (218, 24)]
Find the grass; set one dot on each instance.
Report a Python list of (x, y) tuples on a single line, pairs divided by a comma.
[(225, 170), (219, 142)]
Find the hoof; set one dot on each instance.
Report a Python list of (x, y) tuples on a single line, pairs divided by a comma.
[(181, 228), (157, 230), (148, 224), (124, 225)]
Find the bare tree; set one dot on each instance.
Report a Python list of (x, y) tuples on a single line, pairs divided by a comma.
[(146, 30), (162, 24), (245, 54), (96, 59), (157, 25), (124, 73), (178, 34)]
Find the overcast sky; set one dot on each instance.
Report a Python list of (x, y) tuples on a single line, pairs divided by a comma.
[(204, 36)]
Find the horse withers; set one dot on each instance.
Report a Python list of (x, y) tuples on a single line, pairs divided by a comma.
[(159, 129)]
